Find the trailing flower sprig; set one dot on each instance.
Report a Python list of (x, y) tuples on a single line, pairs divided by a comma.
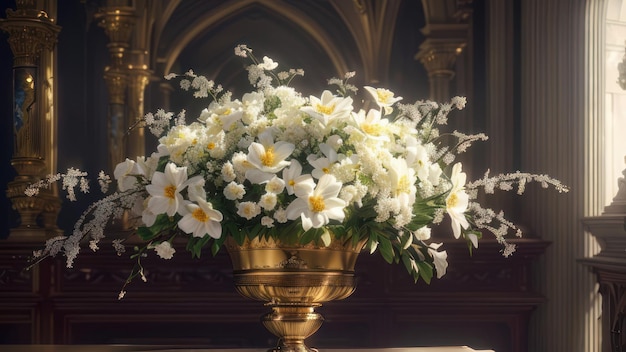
[(274, 163)]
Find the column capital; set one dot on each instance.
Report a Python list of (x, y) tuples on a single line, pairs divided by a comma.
[(30, 31), (439, 56), (118, 24)]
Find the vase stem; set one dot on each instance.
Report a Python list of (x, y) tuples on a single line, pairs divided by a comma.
[(292, 323)]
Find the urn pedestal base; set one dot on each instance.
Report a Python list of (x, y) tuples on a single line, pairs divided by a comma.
[(293, 280)]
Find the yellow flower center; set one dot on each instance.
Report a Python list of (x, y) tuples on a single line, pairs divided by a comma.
[(200, 215), (326, 170), (326, 110), (170, 191), (194, 141), (317, 203), (292, 183), (210, 146), (452, 201), (227, 111), (403, 185), (384, 96), (372, 129), (268, 157)]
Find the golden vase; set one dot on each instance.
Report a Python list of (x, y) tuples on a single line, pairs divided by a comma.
[(293, 280)]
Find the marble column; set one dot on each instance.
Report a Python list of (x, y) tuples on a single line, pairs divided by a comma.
[(557, 110)]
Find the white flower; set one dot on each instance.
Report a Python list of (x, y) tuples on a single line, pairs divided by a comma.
[(126, 174), (322, 165), (328, 108), (267, 222), (459, 102), (165, 190), (423, 233), (234, 191), (457, 201), (268, 201), (275, 185), (434, 174), (317, 205), (248, 210), (201, 219), (147, 216), (165, 250), (267, 157), (228, 172), (292, 176), (417, 158), (280, 215), (384, 98), (439, 259), (402, 182), (268, 64), (372, 125)]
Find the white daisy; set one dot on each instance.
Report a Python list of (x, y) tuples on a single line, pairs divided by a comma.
[(201, 219), (317, 205)]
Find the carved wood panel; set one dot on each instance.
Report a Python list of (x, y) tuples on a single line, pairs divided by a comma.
[(193, 303)]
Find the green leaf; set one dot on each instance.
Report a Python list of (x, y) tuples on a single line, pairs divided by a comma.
[(372, 243), (386, 249), (309, 236), (145, 234), (162, 163), (425, 271), (326, 238)]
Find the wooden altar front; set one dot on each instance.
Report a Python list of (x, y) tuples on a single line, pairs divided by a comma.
[(484, 302)]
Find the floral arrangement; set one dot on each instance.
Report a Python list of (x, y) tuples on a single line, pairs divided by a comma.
[(298, 169)]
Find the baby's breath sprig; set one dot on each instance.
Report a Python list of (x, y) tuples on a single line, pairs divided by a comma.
[(257, 71), (505, 182), (344, 88), (70, 179)]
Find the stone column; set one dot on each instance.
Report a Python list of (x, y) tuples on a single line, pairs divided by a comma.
[(557, 114), (439, 58), (32, 37)]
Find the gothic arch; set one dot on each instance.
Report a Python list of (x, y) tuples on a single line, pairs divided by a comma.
[(231, 9)]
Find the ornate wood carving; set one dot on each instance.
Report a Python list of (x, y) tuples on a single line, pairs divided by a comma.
[(193, 302)]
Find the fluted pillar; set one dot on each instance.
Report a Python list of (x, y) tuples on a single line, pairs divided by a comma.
[(32, 37), (557, 110)]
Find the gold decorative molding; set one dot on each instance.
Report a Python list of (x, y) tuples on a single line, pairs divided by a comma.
[(116, 81), (32, 37), (139, 77), (30, 31), (118, 24), (439, 59)]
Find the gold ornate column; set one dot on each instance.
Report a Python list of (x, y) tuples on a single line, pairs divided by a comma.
[(118, 23), (139, 77), (32, 37), (438, 54)]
